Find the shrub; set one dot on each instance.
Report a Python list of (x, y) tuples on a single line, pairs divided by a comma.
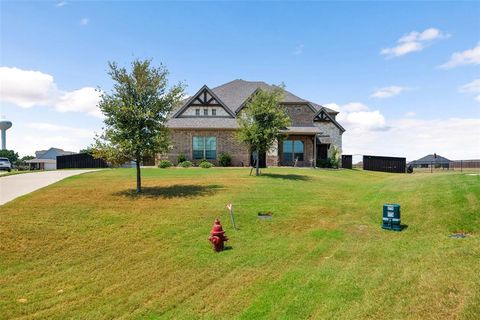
[(185, 164), (335, 161), (225, 159), (181, 158), (206, 164), (165, 164), (324, 163)]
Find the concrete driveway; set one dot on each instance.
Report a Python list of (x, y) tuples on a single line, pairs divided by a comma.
[(17, 185)]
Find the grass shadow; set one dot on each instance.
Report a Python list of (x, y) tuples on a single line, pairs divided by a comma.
[(295, 177), (169, 192)]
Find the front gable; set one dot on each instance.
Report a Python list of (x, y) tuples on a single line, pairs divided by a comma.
[(323, 116), (204, 103)]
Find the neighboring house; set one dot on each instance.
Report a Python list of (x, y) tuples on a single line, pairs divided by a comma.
[(431, 160), (47, 159), (204, 126)]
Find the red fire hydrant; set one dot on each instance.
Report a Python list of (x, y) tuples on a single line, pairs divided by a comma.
[(217, 236)]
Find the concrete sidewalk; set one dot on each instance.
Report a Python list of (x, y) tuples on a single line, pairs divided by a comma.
[(17, 185)]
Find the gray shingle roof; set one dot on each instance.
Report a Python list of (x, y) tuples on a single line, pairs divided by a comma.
[(52, 153), (431, 159), (234, 93), (304, 129)]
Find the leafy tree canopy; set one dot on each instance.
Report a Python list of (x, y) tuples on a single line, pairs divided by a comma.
[(10, 154), (136, 112), (262, 120)]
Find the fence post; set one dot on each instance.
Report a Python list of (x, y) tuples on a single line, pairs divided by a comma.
[(461, 165)]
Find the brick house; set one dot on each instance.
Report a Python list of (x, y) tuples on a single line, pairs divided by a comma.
[(204, 125)]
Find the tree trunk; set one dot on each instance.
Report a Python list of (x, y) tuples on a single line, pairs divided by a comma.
[(257, 172), (139, 179)]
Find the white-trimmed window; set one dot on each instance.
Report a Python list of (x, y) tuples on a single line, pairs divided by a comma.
[(197, 112), (214, 112)]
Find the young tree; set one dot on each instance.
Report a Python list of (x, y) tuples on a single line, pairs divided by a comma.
[(262, 120), (136, 113)]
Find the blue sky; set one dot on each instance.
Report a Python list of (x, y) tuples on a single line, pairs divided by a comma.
[(387, 66)]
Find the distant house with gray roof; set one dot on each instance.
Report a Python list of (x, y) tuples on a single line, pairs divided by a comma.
[(204, 125), (431, 160), (47, 159)]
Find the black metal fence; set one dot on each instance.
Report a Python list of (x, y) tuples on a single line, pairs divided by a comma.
[(346, 161), (384, 164), (465, 165), (79, 161)]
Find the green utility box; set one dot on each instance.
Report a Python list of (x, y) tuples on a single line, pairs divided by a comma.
[(391, 217)]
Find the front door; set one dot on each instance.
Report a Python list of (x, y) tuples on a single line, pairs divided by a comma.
[(322, 151)]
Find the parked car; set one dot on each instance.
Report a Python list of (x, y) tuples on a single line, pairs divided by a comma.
[(5, 164)]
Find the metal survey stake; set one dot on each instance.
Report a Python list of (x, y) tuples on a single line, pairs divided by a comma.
[(230, 209)]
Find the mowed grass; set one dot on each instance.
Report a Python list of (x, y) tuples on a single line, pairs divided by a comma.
[(88, 248)]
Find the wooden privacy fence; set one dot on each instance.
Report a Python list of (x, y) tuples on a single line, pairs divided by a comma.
[(79, 161), (384, 164), (346, 161)]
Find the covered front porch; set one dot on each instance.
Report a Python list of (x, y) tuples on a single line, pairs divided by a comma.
[(302, 147)]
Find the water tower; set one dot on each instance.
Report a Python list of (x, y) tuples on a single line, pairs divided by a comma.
[(4, 126)]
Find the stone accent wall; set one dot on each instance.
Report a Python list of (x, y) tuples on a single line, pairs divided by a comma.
[(301, 115), (272, 156), (328, 128), (182, 141)]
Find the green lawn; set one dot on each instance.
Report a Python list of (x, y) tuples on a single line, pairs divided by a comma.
[(88, 248)]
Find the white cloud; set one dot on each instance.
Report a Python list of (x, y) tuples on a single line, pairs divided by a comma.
[(410, 114), (84, 21), (402, 49), (471, 56), (61, 3), (357, 117), (472, 87), (387, 92), (26, 88), (298, 49), (413, 41), (80, 100), (368, 132)]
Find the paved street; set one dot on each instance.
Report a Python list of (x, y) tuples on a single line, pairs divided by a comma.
[(17, 185)]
